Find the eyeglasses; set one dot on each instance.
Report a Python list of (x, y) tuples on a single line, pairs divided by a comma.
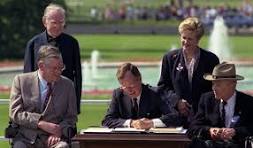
[(54, 22), (130, 87), (57, 68)]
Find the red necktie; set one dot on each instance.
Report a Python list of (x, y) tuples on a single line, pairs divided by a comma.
[(49, 92)]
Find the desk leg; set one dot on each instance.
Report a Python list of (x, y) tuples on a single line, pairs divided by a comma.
[(75, 144)]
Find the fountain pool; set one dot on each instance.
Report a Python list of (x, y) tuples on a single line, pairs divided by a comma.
[(106, 79)]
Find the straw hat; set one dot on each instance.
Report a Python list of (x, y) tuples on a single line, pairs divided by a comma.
[(223, 71)]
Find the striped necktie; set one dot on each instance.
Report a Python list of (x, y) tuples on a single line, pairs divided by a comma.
[(49, 92)]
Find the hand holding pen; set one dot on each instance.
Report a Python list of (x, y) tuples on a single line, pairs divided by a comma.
[(143, 123)]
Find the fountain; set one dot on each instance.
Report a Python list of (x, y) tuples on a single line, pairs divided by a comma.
[(94, 63), (87, 79), (219, 42)]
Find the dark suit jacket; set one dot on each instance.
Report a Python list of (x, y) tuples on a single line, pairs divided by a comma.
[(174, 76), (70, 51), (150, 106), (208, 116)]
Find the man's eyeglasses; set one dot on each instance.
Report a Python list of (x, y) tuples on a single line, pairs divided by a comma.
[(53, 22), (129, 87), (58, 68)]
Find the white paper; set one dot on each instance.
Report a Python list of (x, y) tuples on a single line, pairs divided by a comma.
[(96, 130), (128, 130), (177, 130)]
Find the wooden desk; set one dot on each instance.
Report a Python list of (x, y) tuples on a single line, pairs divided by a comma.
[(140, 140)]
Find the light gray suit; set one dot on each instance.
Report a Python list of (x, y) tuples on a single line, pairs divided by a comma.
[(25, 104)]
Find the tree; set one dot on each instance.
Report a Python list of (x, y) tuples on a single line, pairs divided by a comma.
[(19, 21)]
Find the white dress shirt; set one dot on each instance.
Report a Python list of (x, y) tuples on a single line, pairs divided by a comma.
[(43, 90), (229, 109), (156, 121)]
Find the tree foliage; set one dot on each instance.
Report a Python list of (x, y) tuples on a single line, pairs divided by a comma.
[(19, 21)]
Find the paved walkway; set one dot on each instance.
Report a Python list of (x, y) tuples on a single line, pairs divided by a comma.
[(135, 29)]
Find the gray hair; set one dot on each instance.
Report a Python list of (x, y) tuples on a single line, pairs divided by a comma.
[(53, 7), (48, 51)]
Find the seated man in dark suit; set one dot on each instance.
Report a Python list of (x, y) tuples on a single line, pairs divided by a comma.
[(224, 116), (43, 103), (137, 105)]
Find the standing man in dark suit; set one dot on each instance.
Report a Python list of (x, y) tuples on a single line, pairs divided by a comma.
[(43, 103), (224, 116), (54, 22), (183, 69), (137, 105)]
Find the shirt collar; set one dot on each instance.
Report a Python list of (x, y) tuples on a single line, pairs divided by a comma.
[(138, 98), (231, 100), (50, 38), (42, 81), (196, 55)]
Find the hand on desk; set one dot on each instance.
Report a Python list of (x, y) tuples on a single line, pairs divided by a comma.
[(143, 123)]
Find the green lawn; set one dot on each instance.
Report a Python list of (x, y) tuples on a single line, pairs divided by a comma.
[(149, 47), (91, 115)]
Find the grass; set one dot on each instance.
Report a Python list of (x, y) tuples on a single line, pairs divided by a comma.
[(149, 47)]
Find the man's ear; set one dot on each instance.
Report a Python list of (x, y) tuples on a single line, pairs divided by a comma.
[(41, 65), (44, 21)]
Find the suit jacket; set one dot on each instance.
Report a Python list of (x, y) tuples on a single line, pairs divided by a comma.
[(70, 51), (208, 116), (174, 76), (25, 103), (150, 106)]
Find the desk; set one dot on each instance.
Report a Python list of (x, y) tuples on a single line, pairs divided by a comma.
[(123, 140)]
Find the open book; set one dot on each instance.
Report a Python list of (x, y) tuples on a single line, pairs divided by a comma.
[(132, 130)]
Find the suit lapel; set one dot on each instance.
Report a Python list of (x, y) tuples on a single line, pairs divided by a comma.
[(55, 92), (144, 103), (127, 103), (237, 111), (198, 67), (181, 75), (35, 88), (217, 116)]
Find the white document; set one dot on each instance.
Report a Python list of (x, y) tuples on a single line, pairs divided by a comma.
[(128, 130), (96, 130), (177, 130)]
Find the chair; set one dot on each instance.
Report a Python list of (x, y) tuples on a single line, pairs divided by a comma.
[(68, 133), (249, 142), (11, 131)]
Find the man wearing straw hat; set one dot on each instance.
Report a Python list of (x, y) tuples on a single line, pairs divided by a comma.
[(224, 118)]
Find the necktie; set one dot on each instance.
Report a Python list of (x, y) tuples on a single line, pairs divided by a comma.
[(135, 109), (49, 92), (223, 113)]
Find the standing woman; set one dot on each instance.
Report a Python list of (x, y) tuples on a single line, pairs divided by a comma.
[(183, 69)]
